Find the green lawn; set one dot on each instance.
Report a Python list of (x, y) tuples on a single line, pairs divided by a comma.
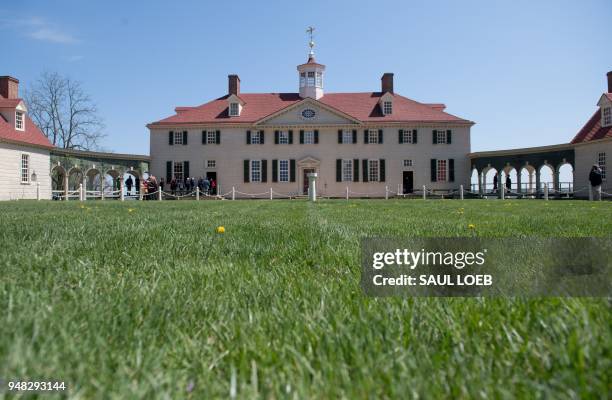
[(146, 300)]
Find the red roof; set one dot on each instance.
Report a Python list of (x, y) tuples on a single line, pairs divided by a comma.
[(361, 106), (593, 130), (31, 135)]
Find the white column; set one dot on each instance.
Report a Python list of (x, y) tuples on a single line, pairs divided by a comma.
[(66, 186), (424, 192), (81, 196), (197, 193), (546, 191), (121, 195), (312, 186), (159, 194)]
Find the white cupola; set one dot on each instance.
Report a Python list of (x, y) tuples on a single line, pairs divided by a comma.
[(311, 74)]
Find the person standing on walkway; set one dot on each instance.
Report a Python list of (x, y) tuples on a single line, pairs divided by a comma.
[(595, 179), (128, 184)]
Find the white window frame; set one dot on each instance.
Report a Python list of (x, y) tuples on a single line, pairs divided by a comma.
[(441, 170), (178, 137), (310, 78), (606, 116), (373, 136), (19, 120), (308, 137), (347, 136), (255, 170), (283, 137), (407, 136), (234, 109), (178, 172), (601, 161), (302, 79), (211, 163), (408, 163), (283, 170), (255, 137), (374, 170), (441, 137), (211, 137), (387, 107), (347, 170), (319, 79), (25, 168)]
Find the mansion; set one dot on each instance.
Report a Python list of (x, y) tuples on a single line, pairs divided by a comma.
[(363, 141)]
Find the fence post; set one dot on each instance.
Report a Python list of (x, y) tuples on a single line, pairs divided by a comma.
[(159, 194), (386, 192), (197, 193), (81, 196), (140, 197), (398, 190), (346, 194), (121, 195), (271, 194), (546, 191), (102, 192), (233, 193), (461, 192), (424, 192)]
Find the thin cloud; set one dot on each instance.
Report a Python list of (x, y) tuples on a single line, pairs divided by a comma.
[(39, 29)]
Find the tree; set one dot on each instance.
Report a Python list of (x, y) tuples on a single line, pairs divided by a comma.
[(64, 112)]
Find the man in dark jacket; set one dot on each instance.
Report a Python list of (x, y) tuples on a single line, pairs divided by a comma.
[(596, 180), (128, 184)]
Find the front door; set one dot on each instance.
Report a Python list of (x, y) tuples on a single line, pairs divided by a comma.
[(408, 182), (212, 176), (305, 178)]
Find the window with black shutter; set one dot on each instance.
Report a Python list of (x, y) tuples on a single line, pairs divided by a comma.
[(186, 169), (171, 138), (448, 136), (400, 136), (365, 136), (354, 136), (381, 169), (339, 135), (184, 138), (264, 170), (316, 136), (364, 164), (274, 170), (435, 136), (380, 136), (290, 137), (203, 137), (451, 170), (248, 137), (292, 170), (218, 137), (261, 137), (338, 170), (414, 136), (356, 170), (434, 172), (276, 134), (247, 171), (301, 137), (168, 171)]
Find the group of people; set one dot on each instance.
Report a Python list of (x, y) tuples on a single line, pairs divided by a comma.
[(205, 184)]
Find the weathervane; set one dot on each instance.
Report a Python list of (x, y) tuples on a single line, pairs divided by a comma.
[(310, 31)]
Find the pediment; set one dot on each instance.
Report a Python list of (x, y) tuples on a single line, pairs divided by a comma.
[(309, 161), (604, 101), (309, 112)]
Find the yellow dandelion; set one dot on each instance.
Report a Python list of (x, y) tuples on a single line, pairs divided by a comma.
[(471, 226), (220, 229), (130, 209), (82, 206)]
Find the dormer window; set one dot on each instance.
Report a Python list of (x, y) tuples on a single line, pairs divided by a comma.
[(387, 107), (234, 109), (606, 116), (19, 121)]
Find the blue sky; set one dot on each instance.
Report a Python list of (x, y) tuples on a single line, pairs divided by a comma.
[(528, 73)]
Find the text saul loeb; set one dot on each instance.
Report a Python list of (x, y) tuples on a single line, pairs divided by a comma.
[(411, 260)]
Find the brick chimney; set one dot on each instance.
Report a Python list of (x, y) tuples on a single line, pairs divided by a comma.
[(234, 84), (9, 87), (610, 82), (387, 82)]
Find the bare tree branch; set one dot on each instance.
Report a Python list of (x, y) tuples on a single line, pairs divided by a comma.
[(64, 112)]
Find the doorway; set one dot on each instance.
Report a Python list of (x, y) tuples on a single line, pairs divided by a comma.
[(305, 178), (212, 175), (408, 182)]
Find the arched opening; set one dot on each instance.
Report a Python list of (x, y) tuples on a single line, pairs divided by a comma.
[(93, 183), (131, 184), (58, 179), (528, 179), (474, 181), (510, 179), (112, 183), (75, 178), (490, 182), (546, 177), (566, 178)]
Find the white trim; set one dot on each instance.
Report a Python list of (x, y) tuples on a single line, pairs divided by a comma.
[(22, 121)]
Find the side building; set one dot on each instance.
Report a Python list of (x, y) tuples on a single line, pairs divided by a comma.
[(24, 149), (365, 141)]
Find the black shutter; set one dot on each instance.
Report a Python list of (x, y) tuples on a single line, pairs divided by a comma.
[(171, 138), (356, 170), (186, 169), (301, 137), (451, 170), (203, 137), (264, 170), (184, 138), (246, 170), (448, 136), (290, 137), (292, 170), (218, 134), (168, 171), (338, 170), (262, 135), (380, 136), (354, 135), (365, 170), (274, 170), (414, 136), (365, 136), (316, 136), (400, 136), (434, 136), (339, 135), (248, 137), (381, 170), (275, 137), (434, 173)]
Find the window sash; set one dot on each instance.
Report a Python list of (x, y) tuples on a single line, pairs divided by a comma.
[(407, 136), (255, 170), (233, 109), (347, 136), (372, 136), (255, 138), (303, 79), (25, 168), (373, 171), (19, 120), (311, 79), (308, 137), (347, 170), (178, 137), (319, 82), (441, 135), (407, 163), (601, 161), (211, 164), (177, 170), (283, 170), (283, 137), (387, 107), (211, 137), (441, 171), (607, 116)]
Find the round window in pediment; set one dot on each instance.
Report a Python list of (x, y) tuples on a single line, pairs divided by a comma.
[(308, 113)]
